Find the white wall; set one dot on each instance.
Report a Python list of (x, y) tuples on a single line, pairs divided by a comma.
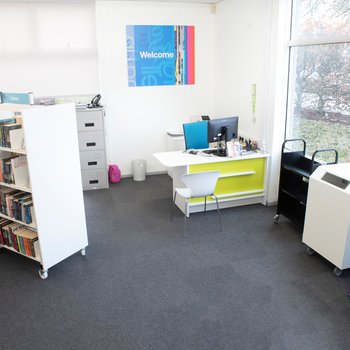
[(49, 49), (248, 38), (138, 117), (242, 35)]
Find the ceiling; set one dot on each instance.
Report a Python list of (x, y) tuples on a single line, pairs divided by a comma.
[(88, 1)]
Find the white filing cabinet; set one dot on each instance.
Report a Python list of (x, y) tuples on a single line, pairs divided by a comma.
[(92, 147), (327, 219), (175, 142)]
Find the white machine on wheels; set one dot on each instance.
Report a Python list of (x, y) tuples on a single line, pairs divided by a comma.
[(327, 219)]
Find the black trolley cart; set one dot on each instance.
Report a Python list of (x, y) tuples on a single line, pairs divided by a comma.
[(295, 171)]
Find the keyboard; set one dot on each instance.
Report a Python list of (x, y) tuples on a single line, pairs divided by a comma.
[(210, 151)]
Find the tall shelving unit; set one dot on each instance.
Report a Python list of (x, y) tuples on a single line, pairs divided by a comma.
[(296, 169), (51, 147)]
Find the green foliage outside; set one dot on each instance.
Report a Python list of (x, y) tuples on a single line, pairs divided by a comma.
[(320, 134)]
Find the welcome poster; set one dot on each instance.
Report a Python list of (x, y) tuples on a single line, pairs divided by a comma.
[(160, 55)]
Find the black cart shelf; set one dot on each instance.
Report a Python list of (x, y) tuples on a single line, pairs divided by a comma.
[(296, 169)]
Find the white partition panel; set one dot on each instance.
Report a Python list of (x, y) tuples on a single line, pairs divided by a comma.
[(54, 170)]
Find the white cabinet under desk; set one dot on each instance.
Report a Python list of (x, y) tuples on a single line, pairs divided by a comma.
[(92, 147)]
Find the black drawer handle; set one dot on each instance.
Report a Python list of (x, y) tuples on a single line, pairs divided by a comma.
[(89, 144), (89, 124), (92, 163), (93, 182)]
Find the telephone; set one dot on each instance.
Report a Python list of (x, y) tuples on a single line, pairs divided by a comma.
[(95, 102)]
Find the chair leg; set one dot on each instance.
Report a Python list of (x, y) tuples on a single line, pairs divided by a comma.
[(217, 206), (172, 209), (185, 224), (205, 205)]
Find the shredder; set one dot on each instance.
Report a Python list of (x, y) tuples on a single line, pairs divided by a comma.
[(327, 218)]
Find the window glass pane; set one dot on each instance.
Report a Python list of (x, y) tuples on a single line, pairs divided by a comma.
[(319, 97), (320, 18)]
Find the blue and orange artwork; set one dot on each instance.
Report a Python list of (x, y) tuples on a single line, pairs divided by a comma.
[(160, 55)]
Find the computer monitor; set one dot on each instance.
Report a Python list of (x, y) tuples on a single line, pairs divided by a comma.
[(222, 129)]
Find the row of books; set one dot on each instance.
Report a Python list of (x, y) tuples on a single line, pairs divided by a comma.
[(14, 170), (19, 237), (11, 132), (17, 205)]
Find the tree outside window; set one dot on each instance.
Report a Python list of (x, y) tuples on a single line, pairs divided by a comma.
[(319, 88)]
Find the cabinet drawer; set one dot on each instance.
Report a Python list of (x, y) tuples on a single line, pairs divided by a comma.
[(90, 120), (91, 140), (94, 179), (92, 159)]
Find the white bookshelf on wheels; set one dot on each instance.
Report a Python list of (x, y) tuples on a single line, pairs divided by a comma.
[(52, 151)]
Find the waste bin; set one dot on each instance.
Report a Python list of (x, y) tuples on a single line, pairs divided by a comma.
[(327, 220), (139, 169)]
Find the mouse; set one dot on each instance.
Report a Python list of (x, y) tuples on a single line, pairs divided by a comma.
[(193, 152)]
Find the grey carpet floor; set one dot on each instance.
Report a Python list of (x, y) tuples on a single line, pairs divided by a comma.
[(143, 286)]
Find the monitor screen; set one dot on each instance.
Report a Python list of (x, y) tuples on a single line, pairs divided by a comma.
[(224, 129)]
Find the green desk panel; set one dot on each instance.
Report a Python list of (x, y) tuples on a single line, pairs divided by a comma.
[(236, 182)]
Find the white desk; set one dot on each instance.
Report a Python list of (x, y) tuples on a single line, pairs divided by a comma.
[(242, 179)]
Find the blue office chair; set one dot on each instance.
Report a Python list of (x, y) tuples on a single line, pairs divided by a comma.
[(196, 135)]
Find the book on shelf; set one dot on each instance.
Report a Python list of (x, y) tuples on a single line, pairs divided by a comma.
[(17, 98), (6, 141), (16, 138), (14, 170), (37, 250), (3, 237), (6, 195), (27, 209), (20, 171), (18, 237), (32, 215), (6, 170), (7, 118), (27, 238), (17, 204), (8, 121), (9, 195)]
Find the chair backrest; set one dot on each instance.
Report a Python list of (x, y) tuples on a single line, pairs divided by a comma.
[(196, 134), (201, 184)]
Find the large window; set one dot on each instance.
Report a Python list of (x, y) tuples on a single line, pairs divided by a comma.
[(319, 75)]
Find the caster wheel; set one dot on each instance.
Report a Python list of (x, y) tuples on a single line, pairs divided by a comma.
[(83, 252), (309, 251), (276, 218), (337, 272), (43, 274)]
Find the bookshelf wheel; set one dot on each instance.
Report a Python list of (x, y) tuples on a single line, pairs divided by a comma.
[(83, 252), (276, 218), (43, 274), (309, 251), (337, 272)]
